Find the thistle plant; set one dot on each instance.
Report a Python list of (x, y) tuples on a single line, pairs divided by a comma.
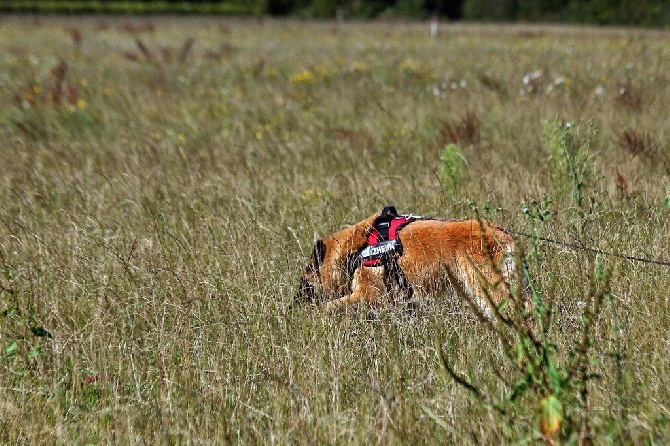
[(537, 212), (571, 162)]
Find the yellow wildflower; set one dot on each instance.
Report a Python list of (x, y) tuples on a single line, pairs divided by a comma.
[(408, 65), (303, 77)]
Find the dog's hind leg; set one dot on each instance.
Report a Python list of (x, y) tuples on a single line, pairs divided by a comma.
[(367, 285)]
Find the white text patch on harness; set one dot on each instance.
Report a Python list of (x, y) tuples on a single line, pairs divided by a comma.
[(378, 250)]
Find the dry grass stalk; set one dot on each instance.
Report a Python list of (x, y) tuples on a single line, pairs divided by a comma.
[(637, 143), (466, 131)]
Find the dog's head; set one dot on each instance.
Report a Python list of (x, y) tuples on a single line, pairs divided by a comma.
[(311, 278), (329, 271), (334, 260)]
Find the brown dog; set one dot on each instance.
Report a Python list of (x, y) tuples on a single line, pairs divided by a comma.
[(475, 253)]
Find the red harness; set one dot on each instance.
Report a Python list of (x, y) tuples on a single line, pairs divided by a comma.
[(383, 242)]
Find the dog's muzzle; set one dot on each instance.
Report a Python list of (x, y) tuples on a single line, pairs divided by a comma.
[(306, 293)]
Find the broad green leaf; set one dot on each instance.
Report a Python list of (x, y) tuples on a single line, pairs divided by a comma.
[(12, 349)]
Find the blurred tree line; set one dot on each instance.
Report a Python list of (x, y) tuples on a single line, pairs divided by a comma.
[(619, 12), (610, 12), (604, 12)]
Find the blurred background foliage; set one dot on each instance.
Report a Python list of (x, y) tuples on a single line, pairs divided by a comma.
[(649, 13)]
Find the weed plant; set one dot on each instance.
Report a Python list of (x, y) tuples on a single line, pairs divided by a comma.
[(163, 181), (451, 172)]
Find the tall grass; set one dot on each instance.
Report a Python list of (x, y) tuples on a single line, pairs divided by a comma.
[(163, 179)]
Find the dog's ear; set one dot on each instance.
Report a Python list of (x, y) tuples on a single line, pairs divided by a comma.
[(352, 262), (318, 255)]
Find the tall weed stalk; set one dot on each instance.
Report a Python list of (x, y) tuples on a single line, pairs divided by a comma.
[(450, 172), (571, 163)]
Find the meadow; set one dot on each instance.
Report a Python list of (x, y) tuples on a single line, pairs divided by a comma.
[(163, 181)]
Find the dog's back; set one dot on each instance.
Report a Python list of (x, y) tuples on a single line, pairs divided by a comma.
[(476, 253)]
